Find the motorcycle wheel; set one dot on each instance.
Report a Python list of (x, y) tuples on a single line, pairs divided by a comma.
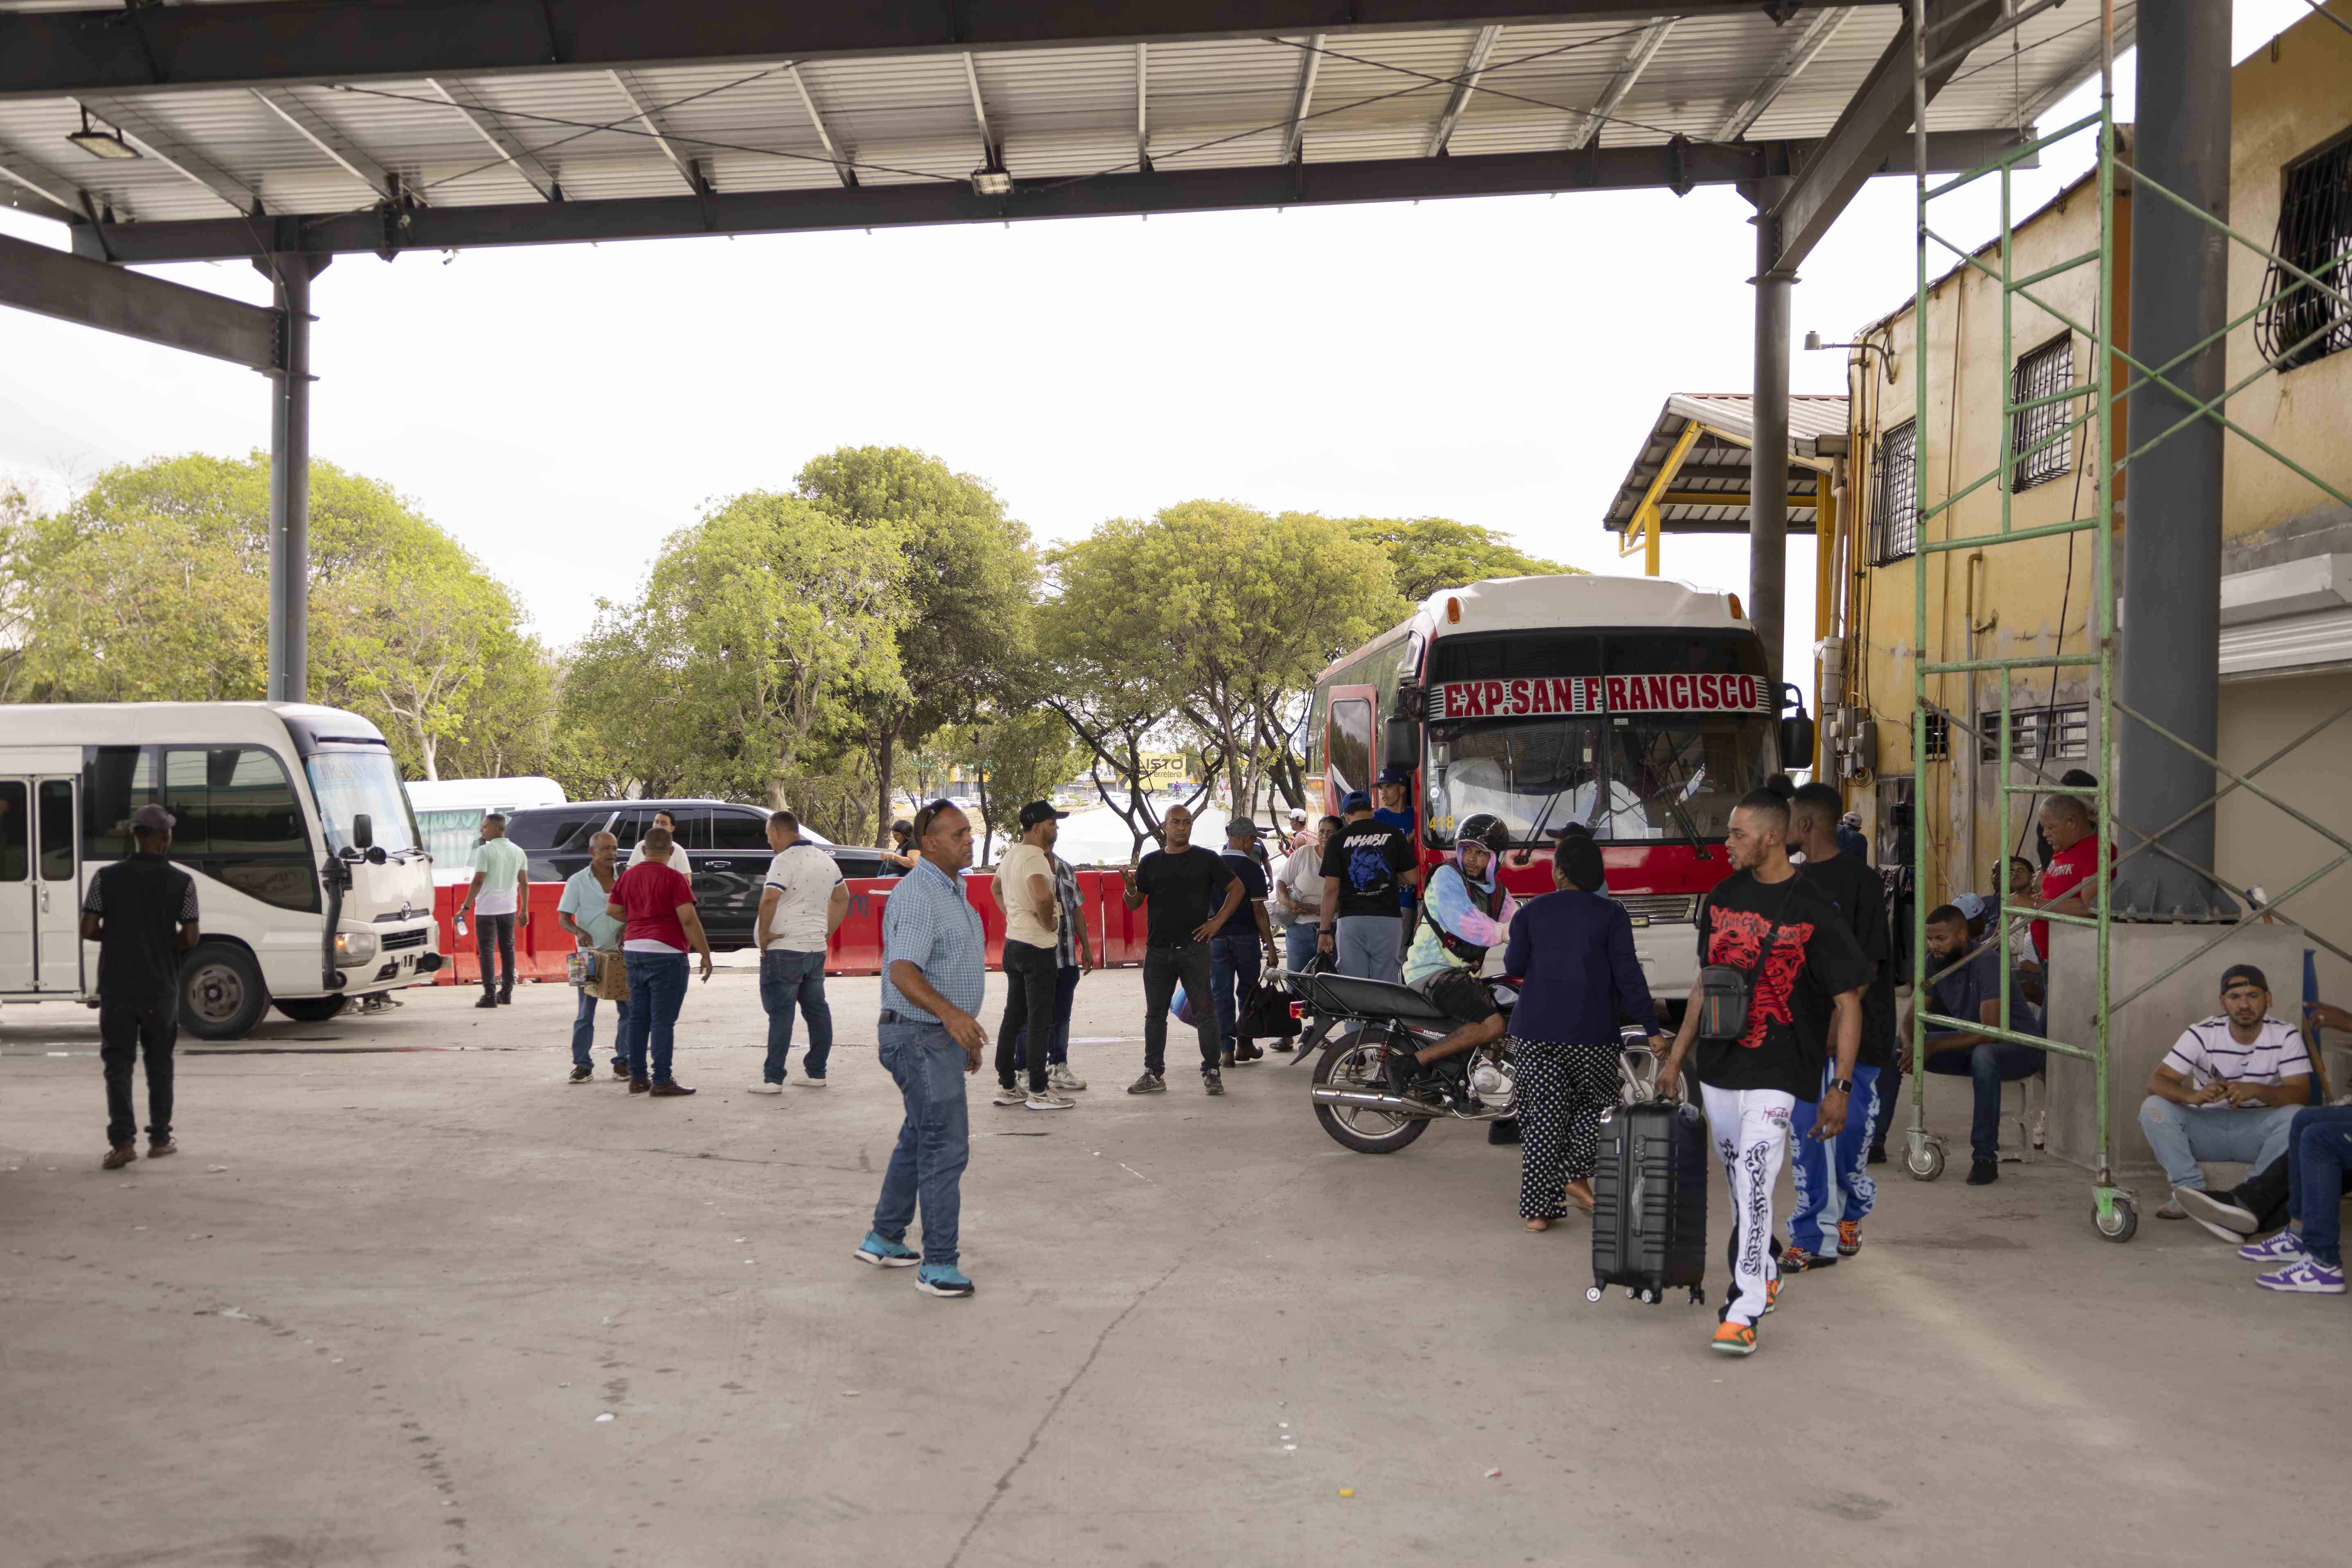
[(1352, 1059)]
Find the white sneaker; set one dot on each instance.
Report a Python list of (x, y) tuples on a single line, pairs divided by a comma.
[(1060, 1077), (1046, 1099), (765, 1089), (1011, 1094), (807, 1082)]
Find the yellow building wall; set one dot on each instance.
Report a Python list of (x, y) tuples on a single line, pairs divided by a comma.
[(2036, 598)]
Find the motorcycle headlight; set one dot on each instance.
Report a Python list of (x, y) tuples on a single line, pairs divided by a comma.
[(354, 946)]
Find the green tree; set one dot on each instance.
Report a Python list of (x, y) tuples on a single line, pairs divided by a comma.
[(970, 577), (1017, 757), (1431, 553), (153, 585), (1239, 610), (756, 626)]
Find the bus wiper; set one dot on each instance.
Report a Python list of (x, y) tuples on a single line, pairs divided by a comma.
[(1690, 829)]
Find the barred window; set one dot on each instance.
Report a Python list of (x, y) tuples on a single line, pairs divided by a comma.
[(2038, 734), (1939, 736), (1895, 532), (2299, 324), (2043, 372)]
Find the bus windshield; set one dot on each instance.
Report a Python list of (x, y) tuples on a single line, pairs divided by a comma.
[(1630, 779), (350, 783)]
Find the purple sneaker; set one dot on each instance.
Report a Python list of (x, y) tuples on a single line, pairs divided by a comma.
[(2284, 1247), (2306, 1277)]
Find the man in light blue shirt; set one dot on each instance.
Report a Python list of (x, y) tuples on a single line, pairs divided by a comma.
[(581, 913), (934, 968)]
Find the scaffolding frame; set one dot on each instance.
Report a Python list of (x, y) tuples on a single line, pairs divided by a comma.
[(2114, 1209)]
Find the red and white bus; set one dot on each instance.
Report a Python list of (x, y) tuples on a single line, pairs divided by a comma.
[(1638, 707)]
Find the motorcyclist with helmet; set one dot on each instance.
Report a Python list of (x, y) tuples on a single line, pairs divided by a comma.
[(1466, 910)]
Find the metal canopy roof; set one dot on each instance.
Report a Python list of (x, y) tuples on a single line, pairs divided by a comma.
[(1714, 462), (346, 125)]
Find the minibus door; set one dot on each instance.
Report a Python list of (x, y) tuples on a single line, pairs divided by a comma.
[(57, 896), (19, 889)]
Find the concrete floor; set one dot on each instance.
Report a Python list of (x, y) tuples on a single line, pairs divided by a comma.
[(373, 1312)]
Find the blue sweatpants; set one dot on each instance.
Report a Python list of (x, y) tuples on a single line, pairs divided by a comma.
[(1832, 1183)]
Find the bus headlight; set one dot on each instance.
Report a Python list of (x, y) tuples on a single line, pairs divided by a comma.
[(354, 946)]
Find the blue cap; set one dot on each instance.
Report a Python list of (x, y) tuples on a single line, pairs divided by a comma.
[(1971, 905), (1355, 800)]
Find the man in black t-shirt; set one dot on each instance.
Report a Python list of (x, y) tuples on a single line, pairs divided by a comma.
[(1834, 1191), (1805, 978), (1192, 893), (1237, 952), (1365, 864), (142, 912)]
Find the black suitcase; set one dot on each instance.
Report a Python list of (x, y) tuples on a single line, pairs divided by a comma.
[(1649, 1201)]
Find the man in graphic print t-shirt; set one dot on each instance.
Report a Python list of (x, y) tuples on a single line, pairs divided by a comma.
[(1804, 1009)]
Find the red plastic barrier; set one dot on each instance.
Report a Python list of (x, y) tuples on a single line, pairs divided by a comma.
[(540, 947), (857, 945)]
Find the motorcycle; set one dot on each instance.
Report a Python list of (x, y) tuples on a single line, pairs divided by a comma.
[(1351, 1093)]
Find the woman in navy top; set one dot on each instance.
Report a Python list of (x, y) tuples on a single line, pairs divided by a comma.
[(1573, 950)]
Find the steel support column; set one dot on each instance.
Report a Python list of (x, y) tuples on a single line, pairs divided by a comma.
[(2171, 668), (1768, 457), (289, 482)]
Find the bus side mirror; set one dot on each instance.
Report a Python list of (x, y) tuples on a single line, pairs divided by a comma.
[(1797, 740), (363, 831), (1399, 744)]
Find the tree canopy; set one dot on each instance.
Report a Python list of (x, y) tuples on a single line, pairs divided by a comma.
[(1428, 554)]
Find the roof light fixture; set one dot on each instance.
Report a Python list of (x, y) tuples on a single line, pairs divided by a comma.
[(991, 182), (101, 143)]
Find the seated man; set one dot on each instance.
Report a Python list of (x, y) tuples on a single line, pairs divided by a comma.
[(1467, 912), (2227, 1088), (1973, 991)]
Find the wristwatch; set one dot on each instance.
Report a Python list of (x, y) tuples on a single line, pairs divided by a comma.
[(1843, 1085)]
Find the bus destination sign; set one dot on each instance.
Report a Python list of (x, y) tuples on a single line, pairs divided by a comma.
[(1518, 699)]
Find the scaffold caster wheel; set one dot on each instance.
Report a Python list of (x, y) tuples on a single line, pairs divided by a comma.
[(2120, 1223), (1593, 1292), (1926, 1162), (1698, 1296)]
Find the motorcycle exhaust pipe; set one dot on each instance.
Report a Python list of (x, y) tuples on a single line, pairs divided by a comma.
[(1372, 1099)]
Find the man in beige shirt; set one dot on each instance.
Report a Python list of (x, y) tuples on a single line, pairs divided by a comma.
[(1024, 892)]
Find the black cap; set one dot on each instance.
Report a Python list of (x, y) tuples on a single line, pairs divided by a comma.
[(1580, 861), (1396, 775), (1038, 811), (2244, 975)]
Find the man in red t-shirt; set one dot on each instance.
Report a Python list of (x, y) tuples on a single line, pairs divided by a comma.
[(2075, 854), (658, 904)]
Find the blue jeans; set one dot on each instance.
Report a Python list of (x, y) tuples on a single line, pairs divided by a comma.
[(1832, 1184), (934, 1142), (1235, 963), (2319, 1151), (787, 980), (584, 1032), (1991, 1066), (1298, 944), (656, 991), (1058, 1043), (2181, 1135)]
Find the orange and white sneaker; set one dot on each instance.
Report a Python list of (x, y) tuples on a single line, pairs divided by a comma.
[(1771, 1293), (1733, 1339), (1849, 1237)]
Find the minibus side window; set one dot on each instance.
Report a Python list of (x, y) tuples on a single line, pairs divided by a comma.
[(116, 781)]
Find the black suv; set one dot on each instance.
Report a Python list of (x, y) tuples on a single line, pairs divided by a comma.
[(725, 844)]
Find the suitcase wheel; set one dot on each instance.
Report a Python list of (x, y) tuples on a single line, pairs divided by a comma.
[(1593, 1293), (1698, 1296)]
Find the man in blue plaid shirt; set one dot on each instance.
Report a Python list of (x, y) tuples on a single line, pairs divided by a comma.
[(934, 968)]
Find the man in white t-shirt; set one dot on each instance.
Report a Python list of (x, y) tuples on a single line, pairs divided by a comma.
[(1032, 967), (1298, 894), (801, 906), (2228, 1088), (664, 820)]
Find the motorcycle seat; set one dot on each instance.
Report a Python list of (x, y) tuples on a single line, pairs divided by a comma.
[(1351, 996)]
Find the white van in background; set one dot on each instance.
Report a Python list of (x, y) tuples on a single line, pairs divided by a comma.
[(449, 815), (310, 882)]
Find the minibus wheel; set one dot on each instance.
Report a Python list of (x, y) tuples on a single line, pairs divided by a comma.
[(221, 993)]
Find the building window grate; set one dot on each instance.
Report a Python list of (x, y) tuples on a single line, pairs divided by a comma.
[(2041, 373), (1939, 736), (2061, 734), (1895, 533), (2299, 324)]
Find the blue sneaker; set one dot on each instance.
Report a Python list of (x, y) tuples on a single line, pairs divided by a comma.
[(2284, 1247), (2304, 1276), (941, 1279), (886, 1253)]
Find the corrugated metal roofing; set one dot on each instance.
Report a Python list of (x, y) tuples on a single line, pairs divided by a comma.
[(1718, 458), (1051, 112)]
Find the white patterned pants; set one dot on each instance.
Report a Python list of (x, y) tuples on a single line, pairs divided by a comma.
[(1750, 1129)]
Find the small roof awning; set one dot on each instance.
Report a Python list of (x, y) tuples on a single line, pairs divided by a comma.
[(1698, 451)]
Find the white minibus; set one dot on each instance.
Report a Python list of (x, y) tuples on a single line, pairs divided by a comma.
[(312, 883)]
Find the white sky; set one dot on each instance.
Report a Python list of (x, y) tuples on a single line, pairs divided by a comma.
[(562, 409)]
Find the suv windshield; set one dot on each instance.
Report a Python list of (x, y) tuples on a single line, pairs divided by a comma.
[(350, 783), (1630, 779)]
